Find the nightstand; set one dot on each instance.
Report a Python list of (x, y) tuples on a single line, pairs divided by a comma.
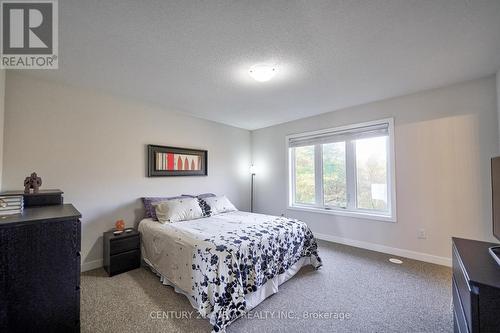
[(122, 252)]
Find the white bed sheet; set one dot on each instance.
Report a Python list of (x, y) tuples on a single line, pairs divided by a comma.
[(168, 249)]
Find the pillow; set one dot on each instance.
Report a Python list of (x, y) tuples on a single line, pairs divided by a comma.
[(149, 201), (205, 208), (178, 210), (202, 195), (205, 195), (220, 204)]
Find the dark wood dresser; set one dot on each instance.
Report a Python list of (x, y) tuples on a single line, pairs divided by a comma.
[(40, 270), (121, 252), (475, 287)]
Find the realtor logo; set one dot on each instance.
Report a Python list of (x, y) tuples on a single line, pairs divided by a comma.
[(29, 34)]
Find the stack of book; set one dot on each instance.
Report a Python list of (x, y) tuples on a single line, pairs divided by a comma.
[(11, 204)]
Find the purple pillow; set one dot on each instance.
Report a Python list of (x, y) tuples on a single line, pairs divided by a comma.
[(201, 196), (149, 201)]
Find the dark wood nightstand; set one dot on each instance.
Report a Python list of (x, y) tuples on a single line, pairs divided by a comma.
[(122, 252)]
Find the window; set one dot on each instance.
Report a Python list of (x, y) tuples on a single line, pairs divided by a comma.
[(304, 175), (347, 170)]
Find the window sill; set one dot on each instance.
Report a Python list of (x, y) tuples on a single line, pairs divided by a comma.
[(360, 215)]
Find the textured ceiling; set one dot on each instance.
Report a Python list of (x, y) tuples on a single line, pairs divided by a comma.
[(193, 56)]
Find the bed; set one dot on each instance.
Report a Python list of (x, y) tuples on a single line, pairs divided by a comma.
[(227, 264)]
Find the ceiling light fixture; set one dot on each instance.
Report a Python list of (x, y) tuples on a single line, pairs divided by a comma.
[(262, 72)]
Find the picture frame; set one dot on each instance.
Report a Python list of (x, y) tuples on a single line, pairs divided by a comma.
[(167, 161)]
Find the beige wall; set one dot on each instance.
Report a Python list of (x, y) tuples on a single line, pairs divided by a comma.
[(444, 139), (93, 147)]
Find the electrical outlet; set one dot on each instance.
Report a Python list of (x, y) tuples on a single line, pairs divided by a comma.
[(422, 234)]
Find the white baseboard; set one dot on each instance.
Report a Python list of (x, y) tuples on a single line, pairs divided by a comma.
[(386, 249), (90, 265)]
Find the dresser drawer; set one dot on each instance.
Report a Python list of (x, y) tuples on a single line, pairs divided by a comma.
[(467, 296), (460, 323), (124, 261), (124, 244), (78, 262)]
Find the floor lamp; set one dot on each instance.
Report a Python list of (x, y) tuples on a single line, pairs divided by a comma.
[(252, 172)]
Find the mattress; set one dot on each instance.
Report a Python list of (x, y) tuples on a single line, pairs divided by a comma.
[(228, 263)]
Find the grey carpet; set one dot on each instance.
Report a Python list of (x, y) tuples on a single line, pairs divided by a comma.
[(375, 295)]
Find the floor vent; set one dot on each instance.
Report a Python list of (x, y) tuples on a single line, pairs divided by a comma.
[(396, 261)]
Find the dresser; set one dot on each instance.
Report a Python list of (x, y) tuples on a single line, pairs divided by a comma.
[(40, 270), (475, 287)]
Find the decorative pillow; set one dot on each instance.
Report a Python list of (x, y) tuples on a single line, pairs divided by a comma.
[(220, 204), (149, 201), (178, 210), (205, 208)]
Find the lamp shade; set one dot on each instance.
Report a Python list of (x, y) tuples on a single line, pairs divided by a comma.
[(252, 169)]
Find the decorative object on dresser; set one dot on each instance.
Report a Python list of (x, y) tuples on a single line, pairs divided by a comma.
[(11, 204), (120, 225), (164, 161), (122, 252), (40, 198), (475, 287), (32, 183), (40, 270)]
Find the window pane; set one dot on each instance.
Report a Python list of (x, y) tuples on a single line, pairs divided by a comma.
[(371, 170), (334, 174), (304, 175)]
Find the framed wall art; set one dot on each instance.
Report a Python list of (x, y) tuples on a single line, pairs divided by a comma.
[(165, 161)]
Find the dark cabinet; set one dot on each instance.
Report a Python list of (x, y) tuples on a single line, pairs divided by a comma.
[(40, 270), (475, 287), (121, 252)]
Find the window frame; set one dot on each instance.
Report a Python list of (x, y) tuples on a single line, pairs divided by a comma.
[(351, 178)]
